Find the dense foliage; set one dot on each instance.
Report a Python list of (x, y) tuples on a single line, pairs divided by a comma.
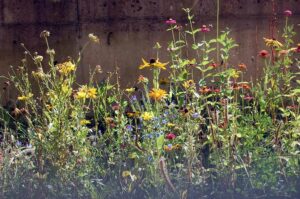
[(202, 132)]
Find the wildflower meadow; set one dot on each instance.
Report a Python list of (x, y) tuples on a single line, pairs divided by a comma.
[(201, 131)]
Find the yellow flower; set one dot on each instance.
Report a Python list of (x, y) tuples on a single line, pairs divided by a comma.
[(157, 94), (273, 43), (189, 84), (86, 92), (153, 63), (171, 124), (84, 122), (25, 97), (235, 74), (147, 116), (144, 65), (130, 90), (92, 92), (66, 68), (160, 65), (133, 114), (126, 174)]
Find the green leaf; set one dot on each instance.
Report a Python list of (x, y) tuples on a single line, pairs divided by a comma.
[(160, 142)]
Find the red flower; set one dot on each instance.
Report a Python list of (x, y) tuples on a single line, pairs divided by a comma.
[(213, 64), (204, 28), (263, 53), (287, 13), (298, 48), (217, 90), (171, 21), (171, 136)]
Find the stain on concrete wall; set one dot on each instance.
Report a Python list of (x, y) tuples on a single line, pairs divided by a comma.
[(128, 29)]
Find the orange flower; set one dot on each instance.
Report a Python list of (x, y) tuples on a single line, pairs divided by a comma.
[(242, 66), (245, 86), (204, 90), (157, 94)]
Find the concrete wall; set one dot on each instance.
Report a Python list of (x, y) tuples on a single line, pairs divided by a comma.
[(128, 29)]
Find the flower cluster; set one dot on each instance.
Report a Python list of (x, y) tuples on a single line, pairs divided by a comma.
[(85, 92), (66, 68)]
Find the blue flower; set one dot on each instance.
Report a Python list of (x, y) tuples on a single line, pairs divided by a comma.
[(129, 128), (133, 98)]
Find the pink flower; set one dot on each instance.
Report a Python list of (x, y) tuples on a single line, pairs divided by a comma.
[(263, 53), (287, 13), (171, 21), (204, 28), (171, 136), (248, 98)]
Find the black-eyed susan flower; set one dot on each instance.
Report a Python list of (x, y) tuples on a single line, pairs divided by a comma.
[(157, 94), (153, 64), (273, 43), (189, 84)]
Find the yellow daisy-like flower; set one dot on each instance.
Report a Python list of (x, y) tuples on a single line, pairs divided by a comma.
[(272, 43), (92, 93), (189, 84), (86, 92), (146, 116), (84, 122), (25, 97), (66, 68), (153, 63), (157, 94)]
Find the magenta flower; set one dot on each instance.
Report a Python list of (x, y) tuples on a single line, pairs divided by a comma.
[(171, 136), (171, 21), (287, 13), (204, 28)]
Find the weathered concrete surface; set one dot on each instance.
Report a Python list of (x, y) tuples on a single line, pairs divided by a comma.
[(128, 29)]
